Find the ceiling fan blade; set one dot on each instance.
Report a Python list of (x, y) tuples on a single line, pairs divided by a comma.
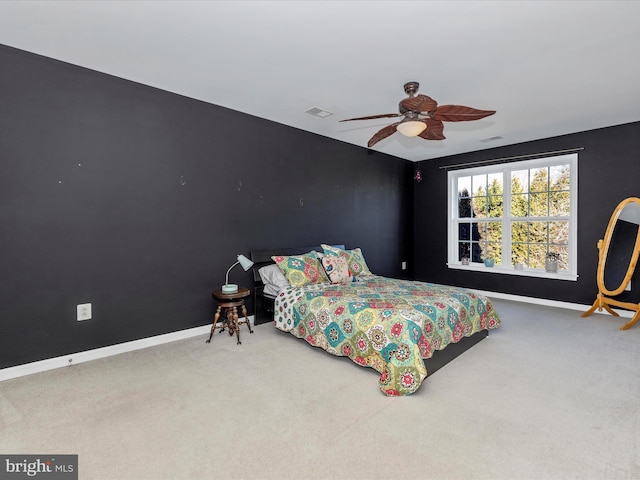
[(459, 113), (382, 134), (384, 115), (434, 131), (419, 103)]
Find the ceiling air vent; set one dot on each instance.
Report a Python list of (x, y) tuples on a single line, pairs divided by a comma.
[(491, 139), (318, 112)]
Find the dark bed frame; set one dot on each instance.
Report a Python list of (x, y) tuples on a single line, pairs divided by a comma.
[(264, 306)]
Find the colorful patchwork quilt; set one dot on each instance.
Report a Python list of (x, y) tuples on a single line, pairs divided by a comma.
[(387, 324)]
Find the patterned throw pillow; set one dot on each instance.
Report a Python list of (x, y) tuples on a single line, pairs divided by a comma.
[(355, 259), (301, 270), (337, 269)]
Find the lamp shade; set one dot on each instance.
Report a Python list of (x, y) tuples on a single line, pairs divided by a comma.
[(246, 264), (411, 128)]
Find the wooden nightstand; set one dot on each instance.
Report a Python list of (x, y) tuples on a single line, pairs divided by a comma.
[(228, 304)]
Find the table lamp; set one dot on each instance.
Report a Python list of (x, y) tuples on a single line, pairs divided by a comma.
[(246, 264)]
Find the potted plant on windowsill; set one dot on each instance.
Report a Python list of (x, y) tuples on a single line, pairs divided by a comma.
[(551, 262)]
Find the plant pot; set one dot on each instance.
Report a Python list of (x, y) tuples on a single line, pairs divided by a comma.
[(488, 262), (551, 266)]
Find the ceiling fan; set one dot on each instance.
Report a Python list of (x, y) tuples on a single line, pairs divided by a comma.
[(423, 117)]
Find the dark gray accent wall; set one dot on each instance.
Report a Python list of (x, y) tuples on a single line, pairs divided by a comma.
[(137, 200), (608, 172)]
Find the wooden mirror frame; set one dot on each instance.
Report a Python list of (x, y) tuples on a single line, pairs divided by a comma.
[(603, 300)]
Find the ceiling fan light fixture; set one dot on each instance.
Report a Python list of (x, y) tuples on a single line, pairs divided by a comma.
[(423, 117), (411, 128)]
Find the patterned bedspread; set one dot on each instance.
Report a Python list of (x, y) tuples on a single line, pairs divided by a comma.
[(387, 324)]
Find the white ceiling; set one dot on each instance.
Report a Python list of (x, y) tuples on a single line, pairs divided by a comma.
[(548, 68)]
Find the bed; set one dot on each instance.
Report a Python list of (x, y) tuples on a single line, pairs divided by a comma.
[(404, 330)]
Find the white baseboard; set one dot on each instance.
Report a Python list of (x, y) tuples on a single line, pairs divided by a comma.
[(88, 355), (550, 303)]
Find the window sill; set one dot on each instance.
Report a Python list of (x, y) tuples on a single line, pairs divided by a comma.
[(527, 272)]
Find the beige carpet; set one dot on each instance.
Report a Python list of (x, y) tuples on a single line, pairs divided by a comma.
[(547, 396)]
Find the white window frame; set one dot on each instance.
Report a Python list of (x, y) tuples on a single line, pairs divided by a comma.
[(506, 168)]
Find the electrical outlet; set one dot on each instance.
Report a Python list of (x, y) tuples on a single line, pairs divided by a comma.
[(404, 265), (84, 311)]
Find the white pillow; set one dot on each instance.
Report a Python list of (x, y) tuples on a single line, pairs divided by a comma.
[(273, 279)]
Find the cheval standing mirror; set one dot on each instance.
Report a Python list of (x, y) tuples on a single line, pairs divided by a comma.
[(617, 258)]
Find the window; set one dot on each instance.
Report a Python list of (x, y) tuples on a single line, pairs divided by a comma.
[(515, 213)]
